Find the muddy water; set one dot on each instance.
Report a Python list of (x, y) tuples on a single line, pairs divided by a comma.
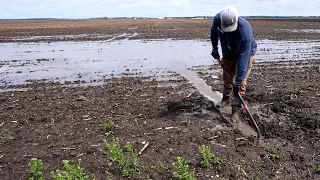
[(200, 85), (90, 61)]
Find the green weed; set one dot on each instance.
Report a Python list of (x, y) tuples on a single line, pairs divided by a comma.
[(109, 126), (136, 122), (183, 170), (234, 124), (160, 167), (6, 137), (259, 172), (52, 145), (317, 170), (206, 155), (218, 161), (155, 170), (130, 163), (53, 126), (273, 153), (187, 122), (72, 172), (36, 167)]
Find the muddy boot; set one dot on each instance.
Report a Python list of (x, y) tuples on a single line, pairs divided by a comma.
[(223, 103), (227, 91)]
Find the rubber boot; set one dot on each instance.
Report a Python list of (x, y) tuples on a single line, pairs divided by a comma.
[(227, 91), (224, 102)]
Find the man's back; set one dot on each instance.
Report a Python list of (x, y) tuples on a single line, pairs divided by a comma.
[(231, 41)]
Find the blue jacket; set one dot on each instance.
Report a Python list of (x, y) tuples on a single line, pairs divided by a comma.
[(237, 46)]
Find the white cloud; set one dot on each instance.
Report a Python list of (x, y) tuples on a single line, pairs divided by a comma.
[(151, 8)]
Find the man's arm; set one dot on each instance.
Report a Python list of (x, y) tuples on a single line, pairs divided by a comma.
[(243, 62), (214, 39)]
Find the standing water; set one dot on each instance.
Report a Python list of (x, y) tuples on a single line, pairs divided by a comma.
[(201, 85)]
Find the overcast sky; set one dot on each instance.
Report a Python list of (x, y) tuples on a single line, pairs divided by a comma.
[(13, 9)]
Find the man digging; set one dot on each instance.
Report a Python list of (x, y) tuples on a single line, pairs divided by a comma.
[(238, 49)]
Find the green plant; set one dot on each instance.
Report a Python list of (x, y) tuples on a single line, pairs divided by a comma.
[(109, 126), (317, 170), (273, 153), (72, 172), (209, 157), (129, 164), (53, 126), (52, 145), (234, 124), (183, 170), (218, 160), (159, 167), (6, 137), (133, 160), (187, 122), (36, 167), (206, 155), (259, 172), (155, 170), (136, 122)]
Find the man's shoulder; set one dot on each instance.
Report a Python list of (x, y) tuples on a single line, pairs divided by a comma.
[(245, 28), (243, 23), (216, 19)]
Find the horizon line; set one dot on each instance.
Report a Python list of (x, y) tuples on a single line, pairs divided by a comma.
[(142, 17)]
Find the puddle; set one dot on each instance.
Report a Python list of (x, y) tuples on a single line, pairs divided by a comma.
[(96, 61), (201, 85)]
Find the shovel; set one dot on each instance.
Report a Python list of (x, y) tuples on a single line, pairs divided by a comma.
[(245, 107)]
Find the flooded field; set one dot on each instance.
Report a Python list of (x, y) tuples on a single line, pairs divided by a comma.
[(63, 82), (93, 62)]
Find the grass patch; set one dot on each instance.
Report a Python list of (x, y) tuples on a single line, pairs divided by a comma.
[(129, 163), (36, 167), (182, 167)]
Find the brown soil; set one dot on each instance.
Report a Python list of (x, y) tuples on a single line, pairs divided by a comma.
[(150, 29), (284, 100)]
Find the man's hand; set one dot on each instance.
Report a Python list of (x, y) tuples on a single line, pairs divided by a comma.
[(219, 61), (215, 54)]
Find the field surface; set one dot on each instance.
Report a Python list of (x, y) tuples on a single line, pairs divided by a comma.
[(64, 82)]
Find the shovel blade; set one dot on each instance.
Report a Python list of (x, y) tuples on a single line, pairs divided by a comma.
[(242, 125)]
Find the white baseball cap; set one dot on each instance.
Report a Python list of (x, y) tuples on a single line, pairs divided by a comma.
[(229, 19)]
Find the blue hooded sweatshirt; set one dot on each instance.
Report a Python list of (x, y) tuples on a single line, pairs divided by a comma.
[(236, 46)]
